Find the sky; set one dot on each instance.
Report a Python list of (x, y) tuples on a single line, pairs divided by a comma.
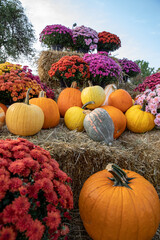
[(136, 23)]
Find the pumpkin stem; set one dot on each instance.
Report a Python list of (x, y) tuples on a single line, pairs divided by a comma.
[(74, 84), (90, 83), (27, 96), (42, 94), (87, 103), (119, 176), (144, 106)]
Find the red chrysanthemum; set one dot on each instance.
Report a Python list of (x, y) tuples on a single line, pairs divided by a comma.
[(53, 220), (15, 184), (21, 206), (35, 230), (7, 233), (23, 223)]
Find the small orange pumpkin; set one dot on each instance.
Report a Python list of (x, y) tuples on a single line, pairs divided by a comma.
[(69, 97), (2, 117), (50, 110), (120, 99), (118, 118), (4, 107), (119, 204)]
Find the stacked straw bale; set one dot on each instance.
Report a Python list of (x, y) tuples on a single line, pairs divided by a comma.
[(45, 61), (80, 157)]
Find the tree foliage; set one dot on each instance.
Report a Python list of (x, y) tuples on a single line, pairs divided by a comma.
[(16, 32), (145, 69)]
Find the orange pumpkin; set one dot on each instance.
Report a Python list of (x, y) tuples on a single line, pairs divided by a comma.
[(120, 99), (4, 107), (69, 97), (118, 118), (119, 204), (2, 117), (50, 110)]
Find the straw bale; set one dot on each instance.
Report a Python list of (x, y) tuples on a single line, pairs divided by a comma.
[(80, 157), (45, 61)]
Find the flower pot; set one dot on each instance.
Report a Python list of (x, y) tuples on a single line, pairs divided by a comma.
[(81, 50), (57, 47)]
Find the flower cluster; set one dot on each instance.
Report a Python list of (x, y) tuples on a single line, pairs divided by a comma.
[(7, 66), (85, 38), (15, 80), (103, 69), (108, 42), (56, 34), (149, 82), (14, 85), (50, 93), (69, 69), (35, 195), (130, 68), (152, 99)]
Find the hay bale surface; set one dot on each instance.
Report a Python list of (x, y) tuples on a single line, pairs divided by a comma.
[(80, 157), (45, 61)]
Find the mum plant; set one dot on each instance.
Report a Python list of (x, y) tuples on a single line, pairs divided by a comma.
[(149, 82), (85, 38), (35, 194), (129, 68), (103, 69), (14, 82), (108, 41), (50, 93), (56, 34), (69, 69), (152, 100)]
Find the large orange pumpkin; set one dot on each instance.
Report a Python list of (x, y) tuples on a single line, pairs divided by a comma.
[(2, 117), (120, 99), (4, 107), (118, 118), (69, 97), (119, 204), (50, 110)]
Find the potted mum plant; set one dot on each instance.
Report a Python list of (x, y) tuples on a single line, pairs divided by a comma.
[(70, 69), (152, 99), (14, 82), (149, 82), (108, 42), (35, 194), (85, 39), (56, 37), (129, 68), (103, 69)]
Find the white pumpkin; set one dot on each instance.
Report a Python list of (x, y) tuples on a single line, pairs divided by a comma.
[(108, 90)]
